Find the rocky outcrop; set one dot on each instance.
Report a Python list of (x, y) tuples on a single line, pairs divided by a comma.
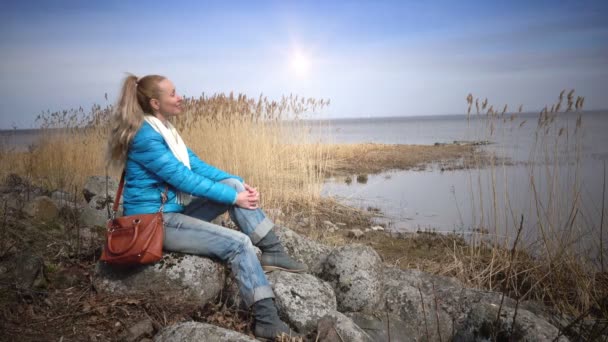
[(181, 277), (303, 249), (354, 271), (197, 331), (309, 304), (302, 298), (382, 327), (481, 325)]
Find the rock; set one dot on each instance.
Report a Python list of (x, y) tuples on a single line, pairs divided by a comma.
[(24, 269), (381, 328), (96, 186), (197, 331), (336, 327), (186, 278), (378, 228), (354, 271), (302, 298), (413, 300), (330, 226), (95, 213), (405, 292), (480, 326), (140, 329), (61, 196), (303, 249), (42, 208), (355, 233)]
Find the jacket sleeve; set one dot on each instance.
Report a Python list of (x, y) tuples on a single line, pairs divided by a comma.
[(207, 170), (154, 155)]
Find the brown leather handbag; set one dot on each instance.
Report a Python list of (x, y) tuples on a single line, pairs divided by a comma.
[(134, 239)]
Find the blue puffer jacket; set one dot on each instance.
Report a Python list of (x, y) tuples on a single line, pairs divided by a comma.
[(151, 165)]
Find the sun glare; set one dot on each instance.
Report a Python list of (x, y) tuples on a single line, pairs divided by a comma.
[(300, 64)]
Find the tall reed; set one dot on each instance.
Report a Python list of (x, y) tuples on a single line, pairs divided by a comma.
[(558, 261), (245, 136)]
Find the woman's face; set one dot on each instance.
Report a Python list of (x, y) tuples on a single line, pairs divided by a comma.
[(169, 103)]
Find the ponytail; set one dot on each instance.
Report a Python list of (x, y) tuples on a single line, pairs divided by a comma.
[(133, 104)]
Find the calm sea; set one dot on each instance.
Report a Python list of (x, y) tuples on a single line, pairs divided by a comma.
[(490, 199)]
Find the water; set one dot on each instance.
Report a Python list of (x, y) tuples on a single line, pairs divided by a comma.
[(488, 200)]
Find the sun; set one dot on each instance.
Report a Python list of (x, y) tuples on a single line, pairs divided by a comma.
[(300, 64)]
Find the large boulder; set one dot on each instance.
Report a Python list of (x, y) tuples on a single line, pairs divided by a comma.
[(354, 271), (95, 212), (197, 331), (303, 249), (181, 277), (481, 325), (302, 298), (415, 302), (96, 186), (381, 327), (337, 327), (440, 307)]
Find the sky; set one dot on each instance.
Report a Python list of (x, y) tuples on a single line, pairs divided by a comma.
[(370, 58)]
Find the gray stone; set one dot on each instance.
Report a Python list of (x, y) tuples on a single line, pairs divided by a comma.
[(480, 325), (330, 226), (382, 327), (302, 298), (197, 331), (96, 186), (184, 278), (61, 196), (354, 271), (336, 327), (140, 329), (303, 249), (95, 212), (414, 301), (355, 233), (24, 269), (42, 208), (405, 292)]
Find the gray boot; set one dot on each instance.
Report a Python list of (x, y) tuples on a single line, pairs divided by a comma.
[(274, 256), (267, 322)]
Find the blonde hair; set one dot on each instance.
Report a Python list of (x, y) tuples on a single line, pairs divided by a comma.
[(133, 104)]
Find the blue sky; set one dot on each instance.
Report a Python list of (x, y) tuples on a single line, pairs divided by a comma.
[(371, 58)]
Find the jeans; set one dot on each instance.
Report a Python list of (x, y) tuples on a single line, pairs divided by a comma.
[(191, 232)]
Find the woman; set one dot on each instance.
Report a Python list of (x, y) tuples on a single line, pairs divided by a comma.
[(154, 155)]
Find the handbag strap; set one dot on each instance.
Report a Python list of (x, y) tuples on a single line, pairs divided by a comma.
[(119, 194)]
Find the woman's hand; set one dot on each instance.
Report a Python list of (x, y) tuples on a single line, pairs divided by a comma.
[(251, 189), (247, 199)]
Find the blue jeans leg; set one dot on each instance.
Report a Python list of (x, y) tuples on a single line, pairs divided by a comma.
[(191, 235), (254, 222)]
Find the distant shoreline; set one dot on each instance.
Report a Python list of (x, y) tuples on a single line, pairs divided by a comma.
[(4, 131)]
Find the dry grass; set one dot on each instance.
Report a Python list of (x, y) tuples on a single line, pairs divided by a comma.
[(346, 159), (556, 268)]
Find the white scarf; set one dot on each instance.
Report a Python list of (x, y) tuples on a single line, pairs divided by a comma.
[(176, 145)]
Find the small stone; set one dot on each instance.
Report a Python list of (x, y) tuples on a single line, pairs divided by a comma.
[(355, 233), (140, 329), (42, 208), (377, 228)]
